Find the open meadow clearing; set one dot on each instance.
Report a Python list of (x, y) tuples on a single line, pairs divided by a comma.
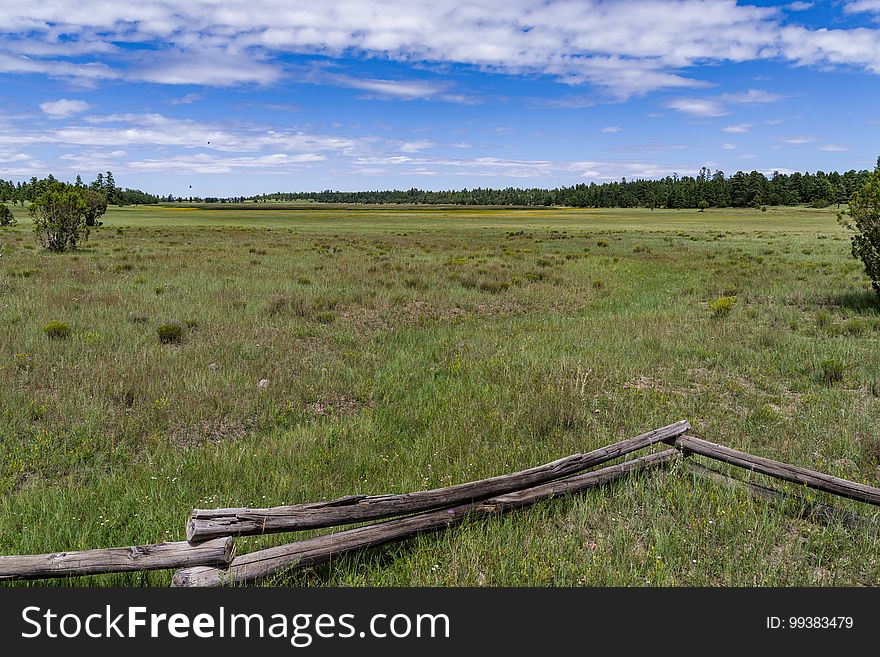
[(404, 349)]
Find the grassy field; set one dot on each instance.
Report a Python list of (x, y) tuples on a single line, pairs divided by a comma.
[(415, 348)]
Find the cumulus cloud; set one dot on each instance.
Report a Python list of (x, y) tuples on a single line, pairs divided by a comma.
[(738, 128), (703, 107), (859, 6), (719, 105), (800, 139), (60, 109), (624, 46)]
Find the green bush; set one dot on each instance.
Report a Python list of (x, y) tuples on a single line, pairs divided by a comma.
[(59, 216), (56, 330), (6, 218), (170, 333), (863, 218), (831, 370), (722, 306)]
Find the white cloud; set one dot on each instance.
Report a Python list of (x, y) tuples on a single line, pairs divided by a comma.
[(738, 128), (800, 139), (612, 128), (799, 6), (718, 105), (705, 107), (728, 146), (60, 109), (751, 97), (276, 163), (833, 148), (188, 99), (624, 46), (858, 6)]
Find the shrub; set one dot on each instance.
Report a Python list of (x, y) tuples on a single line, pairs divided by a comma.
[(703, 205), (855, 326), (863, 218), (96, 205), (59, 216), (493, 286), (56, 330), (823, 318), (831, 370), (170, 333), (820, 203), (6, 218), (722, 306)]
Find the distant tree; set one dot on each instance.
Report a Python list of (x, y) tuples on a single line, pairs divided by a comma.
[(79, 181), (6, 217), (110, 190), (703, 205), (59, 217), (96, 203), (863, 218)]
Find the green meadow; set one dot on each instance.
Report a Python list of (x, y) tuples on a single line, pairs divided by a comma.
[(404, 349)]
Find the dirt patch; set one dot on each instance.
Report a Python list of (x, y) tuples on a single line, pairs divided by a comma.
[(209, 431), (338, 405)]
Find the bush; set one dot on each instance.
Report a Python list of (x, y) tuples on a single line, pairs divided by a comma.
[(59, 216), (96, 205), (722, 306), (6, 218), (831, 370), (863, 218), (56, 330), (170, 333), (820, 203)]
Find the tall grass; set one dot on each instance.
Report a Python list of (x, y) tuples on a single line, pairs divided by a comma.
[(377, 351)]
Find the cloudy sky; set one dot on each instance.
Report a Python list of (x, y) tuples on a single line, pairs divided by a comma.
[(241, 97)]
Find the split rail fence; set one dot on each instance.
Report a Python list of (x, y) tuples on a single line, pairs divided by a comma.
[(206, 557)]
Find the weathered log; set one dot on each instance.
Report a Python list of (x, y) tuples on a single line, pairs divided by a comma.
[(792, 473), (813, 511), (209, 523), (313, 551), (179, 554)]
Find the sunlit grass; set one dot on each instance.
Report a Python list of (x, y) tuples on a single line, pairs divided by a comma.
[(325, 352)]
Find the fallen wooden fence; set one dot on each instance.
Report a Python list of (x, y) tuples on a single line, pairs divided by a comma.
[(313, 551), (784, 471), (816, 511), (210, 523), (206, 558), (117, 560)]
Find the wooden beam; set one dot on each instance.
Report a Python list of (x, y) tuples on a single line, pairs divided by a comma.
[(117, 560), (313, 551), (784, 471), (814, 511), (210, 523)]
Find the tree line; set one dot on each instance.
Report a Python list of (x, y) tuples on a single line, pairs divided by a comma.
[(706, 189), (104, 184)]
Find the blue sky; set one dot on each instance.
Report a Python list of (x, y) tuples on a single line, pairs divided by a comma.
[(237, 98)]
